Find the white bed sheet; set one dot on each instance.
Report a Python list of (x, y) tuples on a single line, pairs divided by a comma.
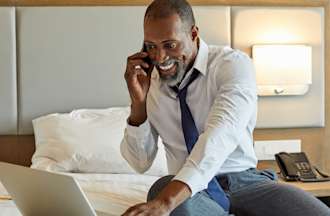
[(111, 193)]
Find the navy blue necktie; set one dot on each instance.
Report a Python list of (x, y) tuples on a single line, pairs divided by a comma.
[(190, 134)]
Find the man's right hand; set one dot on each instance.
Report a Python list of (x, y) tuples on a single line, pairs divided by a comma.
[(138, 83)]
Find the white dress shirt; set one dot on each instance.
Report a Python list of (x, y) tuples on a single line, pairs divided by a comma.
[(223, 102)]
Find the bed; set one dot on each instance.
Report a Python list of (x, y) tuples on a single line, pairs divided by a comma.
[(112, 193), (65, 60)]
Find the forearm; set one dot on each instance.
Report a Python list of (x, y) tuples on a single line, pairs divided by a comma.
[(138, 114), (139, 146), (175, 193)]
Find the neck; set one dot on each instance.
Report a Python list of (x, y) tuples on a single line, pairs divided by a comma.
[(191, 63), (194, 55)]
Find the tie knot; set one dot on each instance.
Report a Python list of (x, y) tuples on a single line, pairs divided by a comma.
[(182, 93)]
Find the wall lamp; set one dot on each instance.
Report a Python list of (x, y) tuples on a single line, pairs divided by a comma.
[(282, 69)]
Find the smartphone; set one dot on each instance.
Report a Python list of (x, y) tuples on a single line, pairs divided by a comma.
[(148, 61)]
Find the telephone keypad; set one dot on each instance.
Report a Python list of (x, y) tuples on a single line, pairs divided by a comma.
[(305, 170)]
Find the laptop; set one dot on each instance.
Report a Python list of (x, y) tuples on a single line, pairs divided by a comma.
[(39, 193)]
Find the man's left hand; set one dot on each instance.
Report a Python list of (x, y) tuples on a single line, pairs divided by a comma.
[(168, 199), (152, 208)]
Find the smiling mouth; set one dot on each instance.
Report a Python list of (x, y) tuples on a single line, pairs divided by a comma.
[(167, 67), (167, 70)]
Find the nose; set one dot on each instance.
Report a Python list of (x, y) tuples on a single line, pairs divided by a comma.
[(160, 56)]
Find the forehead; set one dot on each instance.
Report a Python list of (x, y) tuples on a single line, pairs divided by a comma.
[(161, 29)]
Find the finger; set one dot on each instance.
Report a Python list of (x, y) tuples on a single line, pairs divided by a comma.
[(138, 55), (134, 70), (141, 210), (133, 67), (135, 73), (140, 66), (132, 73), (141, 72), (128, 212), (139, 62), (134, 210)]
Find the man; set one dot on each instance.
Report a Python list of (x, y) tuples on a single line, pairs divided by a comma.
[(201, 100)]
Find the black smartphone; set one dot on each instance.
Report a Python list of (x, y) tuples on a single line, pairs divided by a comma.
[(148, 61)]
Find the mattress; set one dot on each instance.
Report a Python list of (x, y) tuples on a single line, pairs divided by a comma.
[(110, 193)]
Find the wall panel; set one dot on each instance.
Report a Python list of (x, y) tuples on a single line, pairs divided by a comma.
[(285, 25), (8, 87), (75, 57)]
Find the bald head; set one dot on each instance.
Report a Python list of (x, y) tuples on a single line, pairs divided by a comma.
[(165, 8)]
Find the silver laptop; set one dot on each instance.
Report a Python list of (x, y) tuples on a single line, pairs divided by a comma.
[(40, 193)]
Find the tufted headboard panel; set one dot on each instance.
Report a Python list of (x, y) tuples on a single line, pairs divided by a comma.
[(75, 57), (59, 58)]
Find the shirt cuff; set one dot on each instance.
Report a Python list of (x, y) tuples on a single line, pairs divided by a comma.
[(192, 177), (138, 132)]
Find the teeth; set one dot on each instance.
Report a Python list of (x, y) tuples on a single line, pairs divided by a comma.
[(166, 67)]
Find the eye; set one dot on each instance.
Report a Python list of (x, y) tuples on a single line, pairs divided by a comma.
[(171, 45), (149, 47)]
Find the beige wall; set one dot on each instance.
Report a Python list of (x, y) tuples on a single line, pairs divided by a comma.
[(315, 141), (144, 2)]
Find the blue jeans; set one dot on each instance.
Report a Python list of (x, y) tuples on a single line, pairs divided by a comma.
[(252, 193)]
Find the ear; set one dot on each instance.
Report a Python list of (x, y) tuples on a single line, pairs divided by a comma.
[(194, 33)]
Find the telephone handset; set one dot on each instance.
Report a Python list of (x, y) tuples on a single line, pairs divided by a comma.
[(295, 166), (147, 60)]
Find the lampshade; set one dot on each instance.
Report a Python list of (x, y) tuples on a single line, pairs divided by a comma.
[(282, 69)]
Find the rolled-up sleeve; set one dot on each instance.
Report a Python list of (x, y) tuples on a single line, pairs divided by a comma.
[(139, 146), (233, 108)]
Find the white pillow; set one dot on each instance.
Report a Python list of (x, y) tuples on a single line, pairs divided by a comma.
[(86, 141)]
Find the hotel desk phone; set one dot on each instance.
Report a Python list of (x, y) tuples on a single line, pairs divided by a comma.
[(296, 167)]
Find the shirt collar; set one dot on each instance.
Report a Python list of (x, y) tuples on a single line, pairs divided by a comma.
[(202, 56)]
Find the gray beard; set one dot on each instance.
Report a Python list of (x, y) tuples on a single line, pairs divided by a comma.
[(176, 78)]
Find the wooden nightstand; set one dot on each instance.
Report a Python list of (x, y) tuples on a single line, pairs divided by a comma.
[(318, 189)]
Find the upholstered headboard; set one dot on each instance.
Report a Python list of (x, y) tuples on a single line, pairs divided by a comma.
[(55, 59), (75, 57)]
